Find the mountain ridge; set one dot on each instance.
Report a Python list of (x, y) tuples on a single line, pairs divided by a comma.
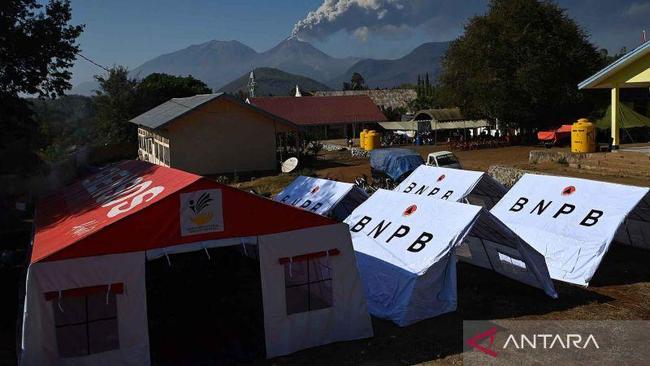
[(271, 81), (219, 63)]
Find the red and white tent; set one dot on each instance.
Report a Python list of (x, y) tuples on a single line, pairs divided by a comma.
[(86, 296)]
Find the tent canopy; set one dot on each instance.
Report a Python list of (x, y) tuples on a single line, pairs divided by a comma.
[(323, 196), (97, 215), (571, 221), (454, 185), (628, 118)]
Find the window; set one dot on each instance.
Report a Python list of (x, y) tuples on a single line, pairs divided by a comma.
[(166, 155), (86, 320), (308, 285), (447, 159)]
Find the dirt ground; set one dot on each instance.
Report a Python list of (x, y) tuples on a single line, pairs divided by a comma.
[(618, 291), (340, 166)]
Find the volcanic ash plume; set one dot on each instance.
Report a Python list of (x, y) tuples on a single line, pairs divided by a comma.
[(362, 17)]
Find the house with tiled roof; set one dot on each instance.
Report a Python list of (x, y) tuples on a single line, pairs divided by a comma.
[(324, 117)]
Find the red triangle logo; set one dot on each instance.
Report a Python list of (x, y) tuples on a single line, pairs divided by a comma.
[(410, 210), (474, 341), (568, 190)]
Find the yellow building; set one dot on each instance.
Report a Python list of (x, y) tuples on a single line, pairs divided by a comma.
[(630, 71), (210, 134)]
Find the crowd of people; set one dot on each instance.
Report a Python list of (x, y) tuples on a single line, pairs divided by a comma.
[(455, 140)]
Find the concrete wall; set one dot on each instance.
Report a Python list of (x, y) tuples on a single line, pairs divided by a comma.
[(224, 137)]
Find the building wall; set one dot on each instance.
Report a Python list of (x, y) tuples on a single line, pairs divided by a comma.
[(224, 137)]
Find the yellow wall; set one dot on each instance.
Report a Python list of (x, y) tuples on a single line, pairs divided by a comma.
[(223, 137)]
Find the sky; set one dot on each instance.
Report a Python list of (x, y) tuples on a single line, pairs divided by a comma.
[(131, 32)]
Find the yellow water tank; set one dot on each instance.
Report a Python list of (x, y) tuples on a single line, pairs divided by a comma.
[(362, 139), (373, 140), (583, 136)]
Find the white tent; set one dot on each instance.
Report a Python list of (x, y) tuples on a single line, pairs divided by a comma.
[(323, 196), (86, 299), (480, 247), (458, 185), (573, 221), (405, 247)]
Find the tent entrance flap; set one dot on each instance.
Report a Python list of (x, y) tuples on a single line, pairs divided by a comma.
[(205, 308)]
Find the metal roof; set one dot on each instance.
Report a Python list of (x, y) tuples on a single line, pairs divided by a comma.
[(171, 110), (175, 108), (311, 111), (629, 57), (440, 115)]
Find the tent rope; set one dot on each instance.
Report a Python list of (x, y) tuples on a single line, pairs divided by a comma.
[(290, 269), (108, 291), (244, 246), (206, 252), (169, 262), (59, 301)]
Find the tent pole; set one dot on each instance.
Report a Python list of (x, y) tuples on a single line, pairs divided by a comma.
[(486, 253), (615, 117)]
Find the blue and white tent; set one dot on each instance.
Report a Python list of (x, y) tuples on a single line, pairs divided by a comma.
[(405, 246), (573, 221), (458, 185), (322, 196)]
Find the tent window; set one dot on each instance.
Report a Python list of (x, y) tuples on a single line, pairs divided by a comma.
[(308, 285), (512, 264), (86, 324)]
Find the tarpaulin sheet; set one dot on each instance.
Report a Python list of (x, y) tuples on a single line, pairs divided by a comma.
[(395, 162), (571, 221), (555, 135)]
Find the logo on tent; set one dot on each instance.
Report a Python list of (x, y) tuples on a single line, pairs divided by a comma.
[(441, 177), (197, 207), (315, 189), (410, 210), (474, 341), (568, 190)]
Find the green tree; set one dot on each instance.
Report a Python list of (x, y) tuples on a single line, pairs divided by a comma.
[(116, 104), (426, 97), (520, 63), (357, 82), (37, 47), (120, 98), (158, 88)]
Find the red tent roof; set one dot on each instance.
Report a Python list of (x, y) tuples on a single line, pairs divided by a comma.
[(322, 110), (134, 206)]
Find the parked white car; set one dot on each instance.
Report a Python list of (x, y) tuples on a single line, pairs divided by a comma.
[(444, 159)]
